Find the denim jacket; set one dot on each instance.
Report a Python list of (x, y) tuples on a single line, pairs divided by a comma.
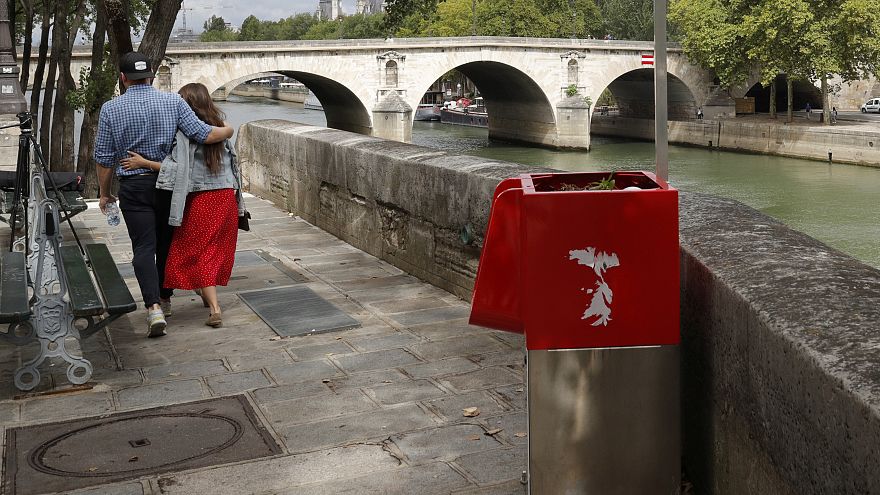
[(184, 171)]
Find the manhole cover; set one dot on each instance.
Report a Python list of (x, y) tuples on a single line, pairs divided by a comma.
[(74, 454)]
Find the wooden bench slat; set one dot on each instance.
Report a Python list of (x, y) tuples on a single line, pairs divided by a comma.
[(116, 294), (84, 299), (14, 304)]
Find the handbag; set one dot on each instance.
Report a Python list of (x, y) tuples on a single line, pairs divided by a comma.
[(243, 223)]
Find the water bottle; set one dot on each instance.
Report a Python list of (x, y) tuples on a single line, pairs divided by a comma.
[(112, 214)]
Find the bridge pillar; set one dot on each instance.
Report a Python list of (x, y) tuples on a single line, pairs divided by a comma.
[(392, 118), (573, 123)]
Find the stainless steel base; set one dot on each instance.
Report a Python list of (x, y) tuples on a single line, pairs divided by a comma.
[(604, 421)]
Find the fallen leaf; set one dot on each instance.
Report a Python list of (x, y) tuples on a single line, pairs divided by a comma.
[(91, 469), (493, 431), (173, 374), (133, 459), (386, 381), (474, 437), (519, 434), (470, 412), (276, 338)]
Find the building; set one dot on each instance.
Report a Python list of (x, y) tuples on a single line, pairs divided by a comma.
[(329, 9), (369, 6)]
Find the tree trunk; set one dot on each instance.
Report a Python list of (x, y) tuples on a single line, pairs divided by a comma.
[(118, 30), (59, 31), (37, 90), (26, 49), (158, 30), (826, 103), (86, 160), (61, 144), (773, 99), (789, 98)]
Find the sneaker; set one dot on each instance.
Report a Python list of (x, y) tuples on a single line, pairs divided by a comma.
[(156, 322), (166, 306), (214, 320)]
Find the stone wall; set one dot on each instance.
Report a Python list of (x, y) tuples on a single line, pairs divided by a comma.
[(780, 334), (846, 145)]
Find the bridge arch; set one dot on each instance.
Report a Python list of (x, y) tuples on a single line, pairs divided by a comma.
[(634, 83), (519, 109), (634, 92), (343, 109)]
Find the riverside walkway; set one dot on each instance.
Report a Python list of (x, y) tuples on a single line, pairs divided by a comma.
[(377, 409)]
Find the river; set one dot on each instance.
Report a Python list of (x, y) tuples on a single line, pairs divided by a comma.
[(837, 204)]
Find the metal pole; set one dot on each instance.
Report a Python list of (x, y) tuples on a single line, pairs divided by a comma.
[(661, 114)]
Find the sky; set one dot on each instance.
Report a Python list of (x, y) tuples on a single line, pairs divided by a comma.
[(235, 11)]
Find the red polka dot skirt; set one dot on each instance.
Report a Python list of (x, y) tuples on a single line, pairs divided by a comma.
[(203, 248)]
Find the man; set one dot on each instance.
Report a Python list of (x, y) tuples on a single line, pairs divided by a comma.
[(145, 120)]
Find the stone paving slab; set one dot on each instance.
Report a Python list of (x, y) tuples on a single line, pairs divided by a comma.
[(371, 410)]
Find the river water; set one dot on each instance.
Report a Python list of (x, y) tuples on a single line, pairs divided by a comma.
[(837, 204)]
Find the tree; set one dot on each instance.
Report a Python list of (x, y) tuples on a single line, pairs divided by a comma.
[(324, 30), (628, 19), (216, 30), (251, 29), (452, 18), (397, 11), (776, 32), (575, 18), (712, 37)]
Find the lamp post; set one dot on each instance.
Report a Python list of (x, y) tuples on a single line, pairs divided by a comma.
[(11, 97), (661, 114)]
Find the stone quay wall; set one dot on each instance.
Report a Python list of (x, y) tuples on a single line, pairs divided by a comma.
[(846, 145), (780, 333), (294, 95)]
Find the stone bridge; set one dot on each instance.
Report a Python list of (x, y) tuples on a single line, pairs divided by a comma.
[(372, 86)]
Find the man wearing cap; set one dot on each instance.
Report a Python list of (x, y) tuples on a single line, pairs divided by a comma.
[(144, 120)]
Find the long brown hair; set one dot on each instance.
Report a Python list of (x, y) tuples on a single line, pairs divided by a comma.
[(197, 97)]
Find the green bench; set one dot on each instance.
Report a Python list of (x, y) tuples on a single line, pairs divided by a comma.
[(14, 298), (57, 291), (107, 297)]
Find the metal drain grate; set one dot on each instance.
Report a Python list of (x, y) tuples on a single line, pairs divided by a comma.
[(296, 310), (58, 457)]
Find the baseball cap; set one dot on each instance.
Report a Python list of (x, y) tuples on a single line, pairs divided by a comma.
[(135, 66)]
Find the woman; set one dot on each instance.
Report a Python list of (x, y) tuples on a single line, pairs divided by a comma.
[(205, 204)]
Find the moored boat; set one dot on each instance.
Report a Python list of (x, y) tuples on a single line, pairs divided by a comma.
[(465, 112)]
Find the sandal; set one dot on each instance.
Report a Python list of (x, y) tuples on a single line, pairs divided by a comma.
[(214, 320)]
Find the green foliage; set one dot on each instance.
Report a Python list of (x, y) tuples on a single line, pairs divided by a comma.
[(588, 101), (397, 11), (291, 28), (216, 30), (628, 19), (606, 184), (215, 23), (809, 39), (712, 36), (571, 90), (94, 91)]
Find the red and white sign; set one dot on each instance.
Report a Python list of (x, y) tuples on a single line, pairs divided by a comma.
[(648, 59)]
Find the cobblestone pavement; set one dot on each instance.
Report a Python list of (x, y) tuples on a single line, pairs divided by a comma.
[(371, 410)]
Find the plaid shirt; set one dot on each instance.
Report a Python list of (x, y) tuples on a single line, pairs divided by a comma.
[(143, 120)]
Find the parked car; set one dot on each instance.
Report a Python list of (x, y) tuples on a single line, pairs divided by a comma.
[(872, 105)]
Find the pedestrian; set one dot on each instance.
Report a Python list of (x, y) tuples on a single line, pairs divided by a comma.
[(206, 202), (809, 110), (833, 115), (145, 120), (700, 113)]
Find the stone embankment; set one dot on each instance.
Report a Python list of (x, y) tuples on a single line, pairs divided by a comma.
[(855, 144), (291, 94), (780, 333)]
